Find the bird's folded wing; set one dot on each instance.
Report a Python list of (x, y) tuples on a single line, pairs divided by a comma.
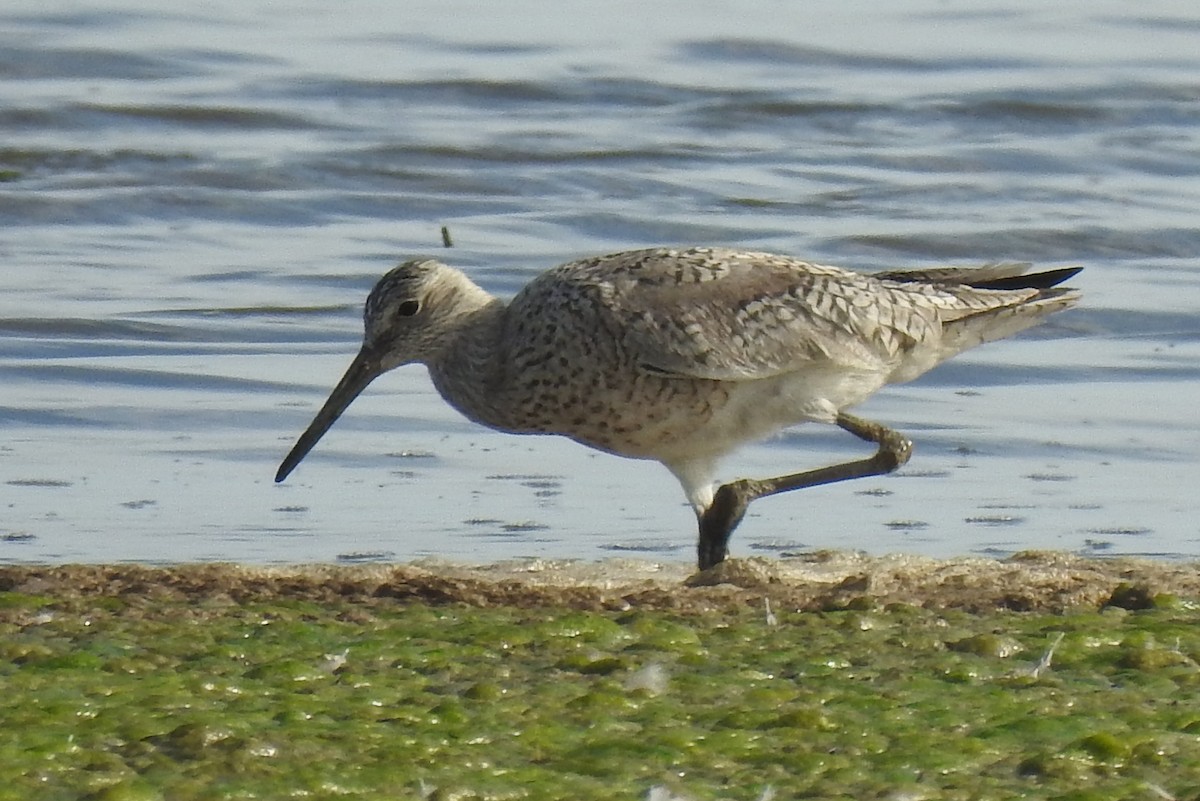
[(723, 314), (766, 317)]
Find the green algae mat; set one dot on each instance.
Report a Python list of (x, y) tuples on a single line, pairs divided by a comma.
[(854, 680)]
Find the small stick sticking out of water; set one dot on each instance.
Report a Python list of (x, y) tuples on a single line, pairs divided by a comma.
[(446, 243)]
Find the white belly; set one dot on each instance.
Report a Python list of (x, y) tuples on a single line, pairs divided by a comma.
[(757, 409)]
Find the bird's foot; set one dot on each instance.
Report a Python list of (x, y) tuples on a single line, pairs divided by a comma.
[(721, 518), (749, 574)]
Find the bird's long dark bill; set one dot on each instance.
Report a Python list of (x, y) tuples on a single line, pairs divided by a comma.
[(362, 371)]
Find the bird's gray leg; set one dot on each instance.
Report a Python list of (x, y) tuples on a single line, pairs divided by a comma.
[(731, 500)]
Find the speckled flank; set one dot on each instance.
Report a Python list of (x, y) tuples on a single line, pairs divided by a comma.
[(681, 355)]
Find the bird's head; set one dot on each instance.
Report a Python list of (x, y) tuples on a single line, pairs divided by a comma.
[(409, 317), (401, 314)]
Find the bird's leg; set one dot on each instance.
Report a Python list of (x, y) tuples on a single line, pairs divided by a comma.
[(731, 500)]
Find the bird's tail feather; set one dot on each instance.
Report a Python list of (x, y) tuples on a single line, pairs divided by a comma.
[(999, 323), (1001, 275)]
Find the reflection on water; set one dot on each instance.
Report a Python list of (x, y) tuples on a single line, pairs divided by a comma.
[(193, 206)]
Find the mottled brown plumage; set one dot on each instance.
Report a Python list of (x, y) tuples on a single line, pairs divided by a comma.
[(682, 355)]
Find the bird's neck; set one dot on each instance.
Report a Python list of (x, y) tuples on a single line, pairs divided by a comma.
[(469, 368)]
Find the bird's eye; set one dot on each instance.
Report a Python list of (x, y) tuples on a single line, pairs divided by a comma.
[(408, 308)]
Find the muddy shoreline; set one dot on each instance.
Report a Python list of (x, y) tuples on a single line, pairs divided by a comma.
[(1030, 581)]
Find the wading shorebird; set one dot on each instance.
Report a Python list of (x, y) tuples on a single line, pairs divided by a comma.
[(683, 355)]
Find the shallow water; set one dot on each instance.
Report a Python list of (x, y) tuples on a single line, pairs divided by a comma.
[(194, 203)]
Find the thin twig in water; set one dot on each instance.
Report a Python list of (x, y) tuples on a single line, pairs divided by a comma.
[(1160, 792), (771, 619)]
